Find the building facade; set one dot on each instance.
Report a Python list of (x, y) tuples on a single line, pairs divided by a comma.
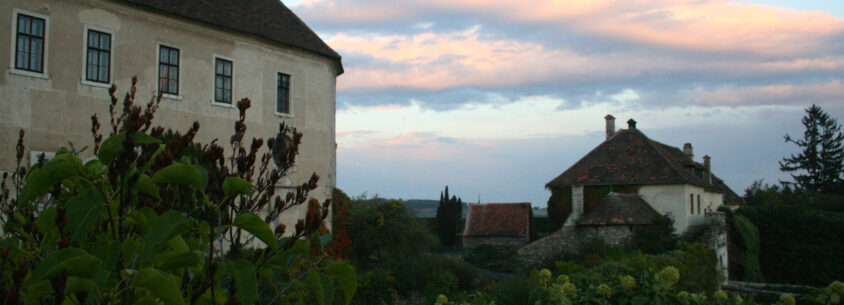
[(665, 177), (203, 56)]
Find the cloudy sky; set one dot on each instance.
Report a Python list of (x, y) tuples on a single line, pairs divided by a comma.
[(495, 98)]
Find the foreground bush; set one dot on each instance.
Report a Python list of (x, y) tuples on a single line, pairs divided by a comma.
[(649, 287), (146, 223), (693, 259)]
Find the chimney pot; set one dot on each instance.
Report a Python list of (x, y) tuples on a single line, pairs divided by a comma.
[(610, 125), (688, 151), (707, 165), (631, 124)]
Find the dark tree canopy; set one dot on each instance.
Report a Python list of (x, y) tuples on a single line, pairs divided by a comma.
[(818, 167), (448, 218)]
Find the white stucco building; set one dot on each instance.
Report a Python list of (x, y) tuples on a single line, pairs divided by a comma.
[(203, 56), (667, 178)]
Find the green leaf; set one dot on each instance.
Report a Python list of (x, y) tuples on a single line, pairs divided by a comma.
[(265, 273), (108, 251), (315, 284), (77, 284), (178, 244), (141, 138), (131, 248), (159, 284), (147, 301), (639, 300), (41, 181), (256, 226), (95, 168), (75, 261), (344, 275), (180, 173), (234, 186), (34, 293), (166, 227), (83, 212), (246, 281), (328, 288), (46, 221), (147, 186), (111, 147), (144, 218), (187, 259)]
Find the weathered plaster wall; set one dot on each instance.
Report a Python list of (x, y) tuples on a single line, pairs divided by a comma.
[(56, 109), (669, 199)]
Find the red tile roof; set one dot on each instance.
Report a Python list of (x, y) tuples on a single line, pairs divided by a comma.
[(498, 219), (268, 19)]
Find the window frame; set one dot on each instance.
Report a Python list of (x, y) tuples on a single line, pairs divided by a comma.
[(169, 94), (45, 47), (698, 203), (85, 80), (692, 203), (289, 112), (214, 100)]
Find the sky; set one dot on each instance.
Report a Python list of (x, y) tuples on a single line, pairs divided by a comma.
[(495, 98)]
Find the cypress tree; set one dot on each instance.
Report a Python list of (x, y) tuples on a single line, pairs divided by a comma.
[(448, 218)]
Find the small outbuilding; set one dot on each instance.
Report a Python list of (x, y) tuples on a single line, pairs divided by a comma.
[(614, 217), (497, 224)]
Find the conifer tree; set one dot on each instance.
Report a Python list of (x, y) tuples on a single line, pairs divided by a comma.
[(448, 218), (818, 168)]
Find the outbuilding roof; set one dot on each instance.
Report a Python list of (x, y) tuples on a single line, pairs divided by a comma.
[(619, 209), (498, 220), (268, 19)]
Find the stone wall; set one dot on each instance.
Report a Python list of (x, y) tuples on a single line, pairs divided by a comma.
[(612, 235), (470, 242), (569, 240)]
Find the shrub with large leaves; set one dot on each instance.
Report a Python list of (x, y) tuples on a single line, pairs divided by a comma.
[(153, 222)]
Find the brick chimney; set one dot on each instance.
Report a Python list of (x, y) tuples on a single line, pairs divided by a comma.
[(631, 124), (687, 150), (610, 125), (707, 165)]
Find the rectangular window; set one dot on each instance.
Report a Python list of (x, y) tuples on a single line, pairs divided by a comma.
[(698, 203), (29, 46), (282, 102), (222, 81), (168, 70), (692, 203), (98, 57)]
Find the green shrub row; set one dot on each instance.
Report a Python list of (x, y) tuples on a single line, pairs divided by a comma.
[(798, 245)]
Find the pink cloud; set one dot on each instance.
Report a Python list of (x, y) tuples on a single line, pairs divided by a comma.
[(711, 25), (784, 40), (343, 133)]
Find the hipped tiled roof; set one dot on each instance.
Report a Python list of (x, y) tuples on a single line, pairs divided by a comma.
[(631, 158), (619, 209), (268, 19), (498, 219)]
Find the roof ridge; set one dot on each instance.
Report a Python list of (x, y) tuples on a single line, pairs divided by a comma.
[(662, 155)]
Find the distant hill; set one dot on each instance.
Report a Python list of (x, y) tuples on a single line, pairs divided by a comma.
[(421, 204)]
